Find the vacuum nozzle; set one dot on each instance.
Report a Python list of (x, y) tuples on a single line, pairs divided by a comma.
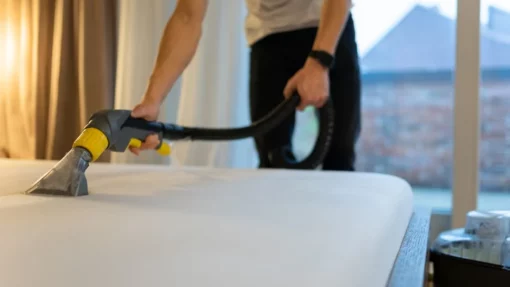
[(112, 130), (67, 177)]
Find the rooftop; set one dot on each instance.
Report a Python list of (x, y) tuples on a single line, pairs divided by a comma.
[(424, 40)]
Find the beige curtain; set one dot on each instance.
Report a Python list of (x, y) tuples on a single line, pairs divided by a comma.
[(61, 69)]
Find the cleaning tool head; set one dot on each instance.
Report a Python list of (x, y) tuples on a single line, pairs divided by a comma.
[(67, 177), (112, 130)]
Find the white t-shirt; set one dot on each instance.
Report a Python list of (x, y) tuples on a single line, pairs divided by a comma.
[(270, 16)]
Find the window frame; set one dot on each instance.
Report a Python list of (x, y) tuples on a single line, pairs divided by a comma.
[(466, 112)]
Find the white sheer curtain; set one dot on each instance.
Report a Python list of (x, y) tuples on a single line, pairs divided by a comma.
[(141, 25), (215, 89)]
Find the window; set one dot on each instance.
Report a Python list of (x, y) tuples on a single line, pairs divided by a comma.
[(407, 53), (494, 153)]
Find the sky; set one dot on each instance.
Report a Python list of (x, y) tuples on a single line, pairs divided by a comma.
[(373, 18)]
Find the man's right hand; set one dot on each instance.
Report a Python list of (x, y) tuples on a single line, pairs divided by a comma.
[(149, 111)]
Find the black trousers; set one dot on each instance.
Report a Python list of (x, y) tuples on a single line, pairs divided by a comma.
[(274, 60)]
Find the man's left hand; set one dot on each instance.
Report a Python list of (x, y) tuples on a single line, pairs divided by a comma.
[(311, 83)]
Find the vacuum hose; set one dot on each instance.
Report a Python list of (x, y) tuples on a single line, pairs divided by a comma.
[(279, 158), (116, 130)]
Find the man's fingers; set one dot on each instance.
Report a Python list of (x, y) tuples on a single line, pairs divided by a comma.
[(134, 150), (307, 100), (289, 88), (321, 102), (145, 111), (151, 142), (148, 111), (138, 111), (303, 104), (324, 101)]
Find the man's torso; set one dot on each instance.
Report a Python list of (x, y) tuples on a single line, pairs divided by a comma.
[(266, 17)]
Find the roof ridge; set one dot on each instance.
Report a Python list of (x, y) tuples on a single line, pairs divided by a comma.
[(493, 35)]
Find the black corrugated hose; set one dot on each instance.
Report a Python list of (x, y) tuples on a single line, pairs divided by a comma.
[(274, 118)]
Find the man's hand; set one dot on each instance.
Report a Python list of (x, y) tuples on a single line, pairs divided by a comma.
[(311, 83), (149, 111)]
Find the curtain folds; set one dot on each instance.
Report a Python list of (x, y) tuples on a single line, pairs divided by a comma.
[(215, 89), (62, 60), (63, 70)]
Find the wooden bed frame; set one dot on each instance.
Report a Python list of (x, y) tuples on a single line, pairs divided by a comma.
[(411, 266)]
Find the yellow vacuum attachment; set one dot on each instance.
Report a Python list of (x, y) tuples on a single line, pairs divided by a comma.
[(96, 142), (93, 140), (163, 149)]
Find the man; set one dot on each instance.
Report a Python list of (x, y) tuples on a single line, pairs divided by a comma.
[(306, 46)]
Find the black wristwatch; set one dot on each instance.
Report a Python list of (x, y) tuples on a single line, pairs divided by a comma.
[(324, 58)]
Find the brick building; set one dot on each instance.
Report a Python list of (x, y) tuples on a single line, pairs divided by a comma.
[(408, 97)]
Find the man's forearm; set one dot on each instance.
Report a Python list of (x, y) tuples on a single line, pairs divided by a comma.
[(333, 18), (177, 47)]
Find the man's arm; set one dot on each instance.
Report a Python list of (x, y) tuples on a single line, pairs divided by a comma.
[(333, 18), (177, 47), (312, 81)]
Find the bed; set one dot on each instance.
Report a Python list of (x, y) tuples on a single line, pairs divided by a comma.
[(145, 225)]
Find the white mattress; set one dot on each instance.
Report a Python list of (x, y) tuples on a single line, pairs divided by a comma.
[(162, 226)]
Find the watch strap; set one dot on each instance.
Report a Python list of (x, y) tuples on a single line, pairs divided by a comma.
[(324, 58)]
